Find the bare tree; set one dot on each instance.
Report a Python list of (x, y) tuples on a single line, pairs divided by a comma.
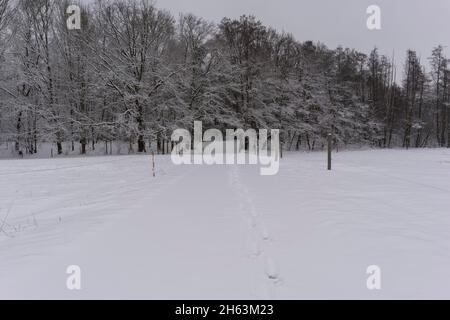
[(138, 37)]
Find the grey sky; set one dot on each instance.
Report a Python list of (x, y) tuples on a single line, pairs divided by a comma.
[(416, 24)]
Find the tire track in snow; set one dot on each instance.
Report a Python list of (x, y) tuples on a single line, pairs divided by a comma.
[(87, 165), (48, 220), (258, 241), (395, 177)]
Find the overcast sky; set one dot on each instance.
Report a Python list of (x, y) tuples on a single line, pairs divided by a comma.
[(416, 24)]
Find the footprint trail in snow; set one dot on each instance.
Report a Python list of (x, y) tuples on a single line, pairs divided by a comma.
[(258, 241)]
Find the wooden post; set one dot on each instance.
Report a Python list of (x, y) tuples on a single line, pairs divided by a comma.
[(153, 164), (330, 142)]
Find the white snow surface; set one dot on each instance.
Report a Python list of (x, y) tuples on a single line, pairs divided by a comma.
[(226, 232)]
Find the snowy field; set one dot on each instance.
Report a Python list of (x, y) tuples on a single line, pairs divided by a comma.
[(225, 232)]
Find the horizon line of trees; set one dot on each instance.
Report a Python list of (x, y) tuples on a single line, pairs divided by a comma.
[(135, 73)]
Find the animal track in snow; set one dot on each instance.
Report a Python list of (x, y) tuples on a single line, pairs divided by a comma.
[(258, 240)]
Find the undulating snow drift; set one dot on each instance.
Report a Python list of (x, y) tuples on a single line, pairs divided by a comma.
[(200, 232)]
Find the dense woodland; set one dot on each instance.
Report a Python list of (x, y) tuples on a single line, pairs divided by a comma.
[(134, 73)]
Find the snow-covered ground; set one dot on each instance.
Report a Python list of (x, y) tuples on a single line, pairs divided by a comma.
[(199, 232), (49, 150)]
